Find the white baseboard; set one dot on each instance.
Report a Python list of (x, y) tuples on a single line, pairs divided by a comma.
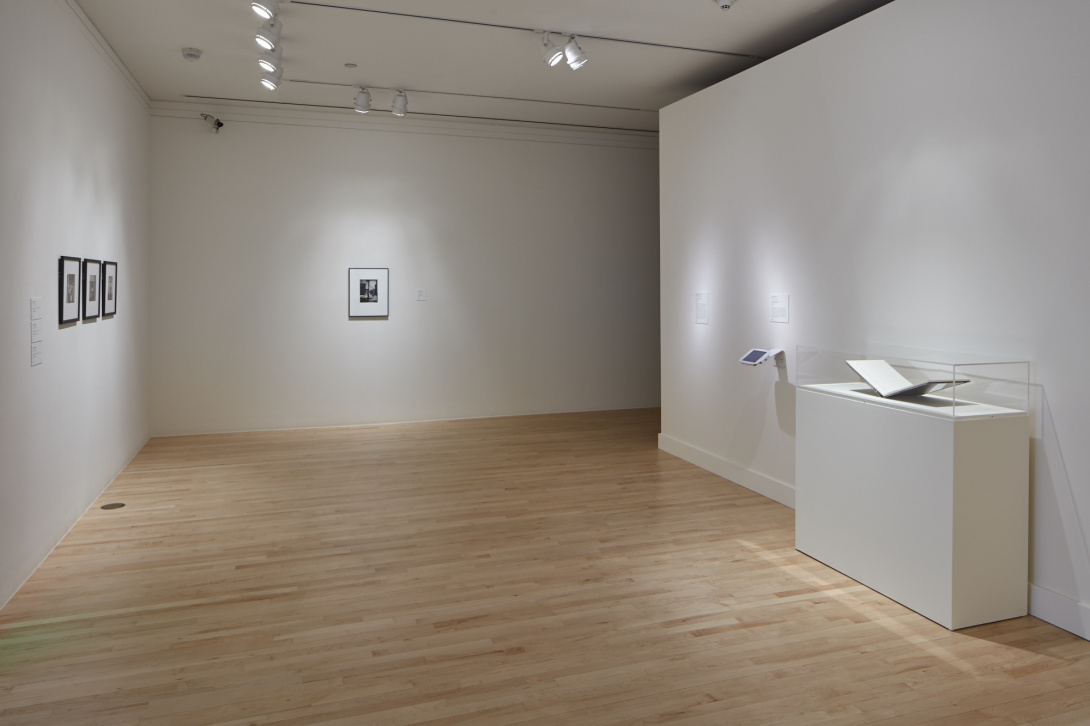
[(6, 595), (764, 485), (1059, 610)]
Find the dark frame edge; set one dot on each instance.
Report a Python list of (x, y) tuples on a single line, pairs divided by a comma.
[(60, 290)]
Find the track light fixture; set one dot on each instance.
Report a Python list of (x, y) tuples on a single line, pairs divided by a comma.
[(550, 53), (268, 35), (272, 80), (575, 55), (269, 60), (363, 101), (401, 104), (266, 8)]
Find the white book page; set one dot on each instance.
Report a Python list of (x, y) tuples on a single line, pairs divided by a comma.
[(880, 376)]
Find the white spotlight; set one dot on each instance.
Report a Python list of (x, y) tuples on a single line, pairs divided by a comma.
[(363, 101), (269, 60), (401, 104), (271, 81), (550, 53), (575, 55), (268, 35), (266, 8)]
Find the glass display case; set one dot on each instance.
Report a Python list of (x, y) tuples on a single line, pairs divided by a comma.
[(951, 387), (930, 510)]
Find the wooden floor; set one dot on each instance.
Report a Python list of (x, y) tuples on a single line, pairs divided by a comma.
[(543, 570)]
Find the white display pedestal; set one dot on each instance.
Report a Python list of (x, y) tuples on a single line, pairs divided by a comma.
[(927, 504)]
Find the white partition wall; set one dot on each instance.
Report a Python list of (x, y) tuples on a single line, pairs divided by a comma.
[(74, 178), (915, 181)]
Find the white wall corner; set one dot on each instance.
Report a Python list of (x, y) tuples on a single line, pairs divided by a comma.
[(762, 484), (7, 595), (1059, 610), (103, 49)]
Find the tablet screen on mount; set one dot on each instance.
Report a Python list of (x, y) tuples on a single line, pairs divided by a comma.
[(754, 355)]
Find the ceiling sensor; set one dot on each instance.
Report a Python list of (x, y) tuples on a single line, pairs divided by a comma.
[(191, 54), (723, 4)]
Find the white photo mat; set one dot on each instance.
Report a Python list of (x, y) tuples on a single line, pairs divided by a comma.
[(92, 288), (109, 288), (70, 289), (368, 292)]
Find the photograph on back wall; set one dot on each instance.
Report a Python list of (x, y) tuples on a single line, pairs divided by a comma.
[(368, 292)]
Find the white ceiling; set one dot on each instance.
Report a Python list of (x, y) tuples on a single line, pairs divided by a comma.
[(469, 69)]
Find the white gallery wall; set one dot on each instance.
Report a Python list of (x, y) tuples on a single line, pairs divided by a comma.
[(537, 253), (917, 182), (74, 178)]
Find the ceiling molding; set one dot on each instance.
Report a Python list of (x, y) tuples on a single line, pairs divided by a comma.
[(103, 48), (253, 112), (423, 91)]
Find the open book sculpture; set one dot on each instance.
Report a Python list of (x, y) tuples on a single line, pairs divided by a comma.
[(888, 381)]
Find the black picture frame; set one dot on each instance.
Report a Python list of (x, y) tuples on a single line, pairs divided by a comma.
[(92, 288), (369, 292), (109, 288), (69, 289)]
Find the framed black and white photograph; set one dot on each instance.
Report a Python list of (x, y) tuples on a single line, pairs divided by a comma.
[(92, 289), (68, 283), (109, 288), (368, 292)]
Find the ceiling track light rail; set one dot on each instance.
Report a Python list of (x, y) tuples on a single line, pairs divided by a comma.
[(271, 65), (480, 95), (333, 6)]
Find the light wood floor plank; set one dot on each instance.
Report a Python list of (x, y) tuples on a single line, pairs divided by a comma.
[(546, 570)]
